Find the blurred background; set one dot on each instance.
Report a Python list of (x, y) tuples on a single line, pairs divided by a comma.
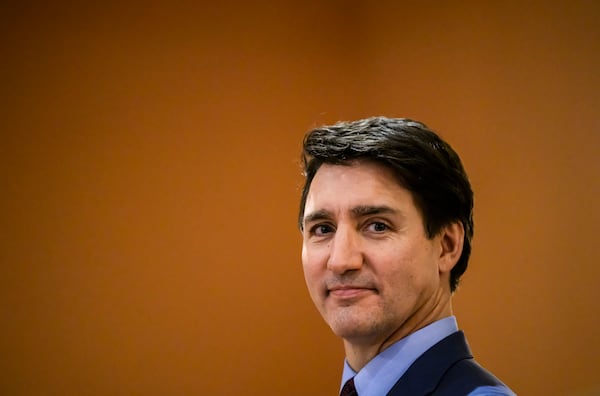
[(150, 182)]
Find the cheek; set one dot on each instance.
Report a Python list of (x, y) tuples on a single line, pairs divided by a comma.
[(310, 266), (403, 270), (306, 260), (412, 278), (314, 256), (313, 278)]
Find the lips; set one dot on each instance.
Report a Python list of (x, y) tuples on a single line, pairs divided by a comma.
[(348, 291)]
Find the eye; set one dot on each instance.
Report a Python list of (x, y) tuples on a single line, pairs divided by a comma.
[(378, 226), (321, 229)]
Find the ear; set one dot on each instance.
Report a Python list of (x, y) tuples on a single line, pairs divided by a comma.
[(451, 243)]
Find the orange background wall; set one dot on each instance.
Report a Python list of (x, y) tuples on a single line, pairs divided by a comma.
[(150, 179)]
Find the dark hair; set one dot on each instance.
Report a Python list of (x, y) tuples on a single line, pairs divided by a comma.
[(421, 161)]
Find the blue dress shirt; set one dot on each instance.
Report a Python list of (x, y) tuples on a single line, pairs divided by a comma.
[(385, 369)]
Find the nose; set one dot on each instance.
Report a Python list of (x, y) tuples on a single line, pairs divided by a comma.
[(345, 253)]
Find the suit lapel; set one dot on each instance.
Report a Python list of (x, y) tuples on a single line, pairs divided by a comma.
[(423, 376)]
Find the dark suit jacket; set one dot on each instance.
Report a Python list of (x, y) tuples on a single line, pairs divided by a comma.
[(447, 368)]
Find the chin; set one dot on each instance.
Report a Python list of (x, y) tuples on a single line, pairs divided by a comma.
[(348, 327)]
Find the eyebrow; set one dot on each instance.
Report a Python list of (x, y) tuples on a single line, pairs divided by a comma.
[(357, 211), (369, 210), (317, 216)]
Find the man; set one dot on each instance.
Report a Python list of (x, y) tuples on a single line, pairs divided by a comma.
[(386, 218)]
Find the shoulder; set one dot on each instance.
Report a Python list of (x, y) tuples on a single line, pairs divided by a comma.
[(448, 369), (498, 390), (467, 377)]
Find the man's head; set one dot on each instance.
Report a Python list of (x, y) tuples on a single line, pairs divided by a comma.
[(419, 160)]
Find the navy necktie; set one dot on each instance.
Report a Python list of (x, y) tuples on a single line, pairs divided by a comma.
[(348, 389)]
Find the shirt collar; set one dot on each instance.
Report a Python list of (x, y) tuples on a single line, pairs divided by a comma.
[(385, 369)]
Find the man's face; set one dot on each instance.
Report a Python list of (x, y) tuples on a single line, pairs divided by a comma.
[(369, 266)]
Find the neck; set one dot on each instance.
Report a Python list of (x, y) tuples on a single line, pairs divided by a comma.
[(360, 352)]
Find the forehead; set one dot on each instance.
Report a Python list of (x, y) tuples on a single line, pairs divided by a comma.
[(338, 187)]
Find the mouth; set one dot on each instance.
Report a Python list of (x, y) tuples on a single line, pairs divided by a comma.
[(346, 292)]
